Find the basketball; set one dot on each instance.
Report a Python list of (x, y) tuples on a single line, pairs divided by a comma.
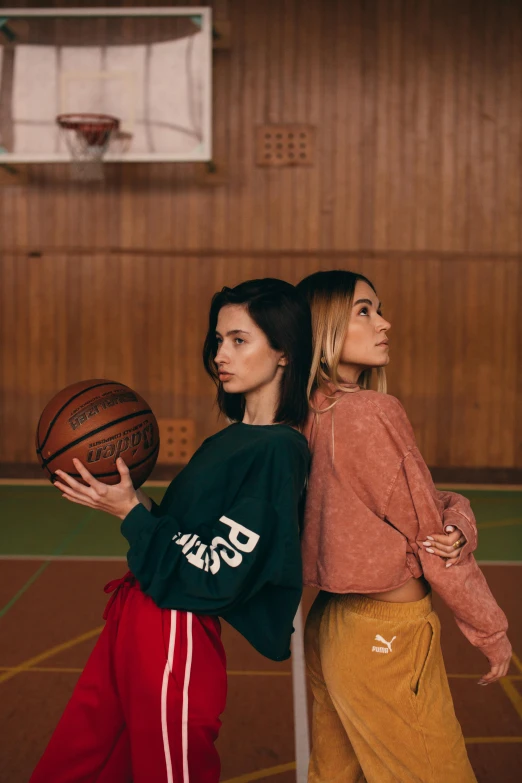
[(98, 421)]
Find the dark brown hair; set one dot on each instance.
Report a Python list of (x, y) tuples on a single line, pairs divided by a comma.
[(282, 313)]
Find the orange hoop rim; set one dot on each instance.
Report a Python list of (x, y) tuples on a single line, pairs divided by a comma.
[(86, 121)]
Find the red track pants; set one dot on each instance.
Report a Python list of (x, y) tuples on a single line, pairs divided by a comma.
[(146, 707)]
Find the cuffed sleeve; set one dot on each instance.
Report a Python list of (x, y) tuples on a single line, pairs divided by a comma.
[(155, 509), (457, 512), (181, 570), (417, 509)]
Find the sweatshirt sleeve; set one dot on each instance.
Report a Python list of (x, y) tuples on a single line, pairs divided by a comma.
[(456, 511), (155, 509), (179, 570), (417, 509)]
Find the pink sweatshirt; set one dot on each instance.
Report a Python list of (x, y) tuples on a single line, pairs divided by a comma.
[(371, 502)]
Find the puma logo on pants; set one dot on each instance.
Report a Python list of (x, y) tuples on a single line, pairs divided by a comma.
[(385, 650)]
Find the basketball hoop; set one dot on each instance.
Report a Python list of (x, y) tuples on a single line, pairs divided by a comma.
[(87, 137)]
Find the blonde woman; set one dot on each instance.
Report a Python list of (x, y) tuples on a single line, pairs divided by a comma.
[(382, 707)]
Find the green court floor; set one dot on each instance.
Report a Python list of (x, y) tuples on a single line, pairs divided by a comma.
[(37, 521)]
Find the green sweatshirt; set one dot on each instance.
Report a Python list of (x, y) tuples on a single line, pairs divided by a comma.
[(225, 539)]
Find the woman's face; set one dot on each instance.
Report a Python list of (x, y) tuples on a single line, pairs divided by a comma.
[(366, 343), (245, 360)]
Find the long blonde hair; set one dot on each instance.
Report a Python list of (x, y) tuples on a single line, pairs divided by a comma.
[(330, 296)]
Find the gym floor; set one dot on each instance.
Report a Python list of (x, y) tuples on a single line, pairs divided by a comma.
[(56, 558)]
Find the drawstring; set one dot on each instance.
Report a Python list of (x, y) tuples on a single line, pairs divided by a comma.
[(126, 581)]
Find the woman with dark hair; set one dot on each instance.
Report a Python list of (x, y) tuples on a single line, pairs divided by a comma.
[(382, 706), (224, 542)]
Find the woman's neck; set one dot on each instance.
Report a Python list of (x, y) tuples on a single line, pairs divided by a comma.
[(261, 406), (350, 373)]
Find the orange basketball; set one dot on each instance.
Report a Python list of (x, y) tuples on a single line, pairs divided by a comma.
[(98, 421)]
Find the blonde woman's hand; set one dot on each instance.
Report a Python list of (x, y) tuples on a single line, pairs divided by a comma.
[(116, 499), (497, 671), (444, 545)]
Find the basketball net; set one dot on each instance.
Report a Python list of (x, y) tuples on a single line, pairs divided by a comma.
[(87, 137)]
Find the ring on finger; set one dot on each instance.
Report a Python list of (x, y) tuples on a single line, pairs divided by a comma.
[(458, 543)]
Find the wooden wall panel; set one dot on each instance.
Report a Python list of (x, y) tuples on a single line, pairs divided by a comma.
[(418, 106), (142, 320), (417, 182)]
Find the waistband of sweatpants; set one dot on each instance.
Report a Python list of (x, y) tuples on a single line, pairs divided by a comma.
[(385, 610)]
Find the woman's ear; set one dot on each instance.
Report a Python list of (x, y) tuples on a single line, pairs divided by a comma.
[(283, 361)]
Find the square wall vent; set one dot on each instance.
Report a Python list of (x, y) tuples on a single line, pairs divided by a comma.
[(285, 145), (177, 441)]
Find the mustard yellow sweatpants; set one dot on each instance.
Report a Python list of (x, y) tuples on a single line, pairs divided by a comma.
[(382, 709)]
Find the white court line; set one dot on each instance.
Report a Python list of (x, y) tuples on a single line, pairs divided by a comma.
[(302, 740), (46, 483), (24, 482), (122, 559), (481, 487), (73, 558), (500, 562), (33, 482), (6, 482)]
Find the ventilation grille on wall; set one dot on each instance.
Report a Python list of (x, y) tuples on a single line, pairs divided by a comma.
[(285, 145), (176, 441)]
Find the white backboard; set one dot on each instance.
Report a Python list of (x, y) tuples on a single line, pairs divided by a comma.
[(149, 67)]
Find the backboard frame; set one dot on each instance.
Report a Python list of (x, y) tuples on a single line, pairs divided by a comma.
[(201, 152)]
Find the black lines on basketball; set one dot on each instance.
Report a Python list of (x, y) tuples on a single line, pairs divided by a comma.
[(92, 434), (97, 430), (68, 402)]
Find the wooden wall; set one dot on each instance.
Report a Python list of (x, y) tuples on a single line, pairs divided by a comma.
[(417, 183)]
